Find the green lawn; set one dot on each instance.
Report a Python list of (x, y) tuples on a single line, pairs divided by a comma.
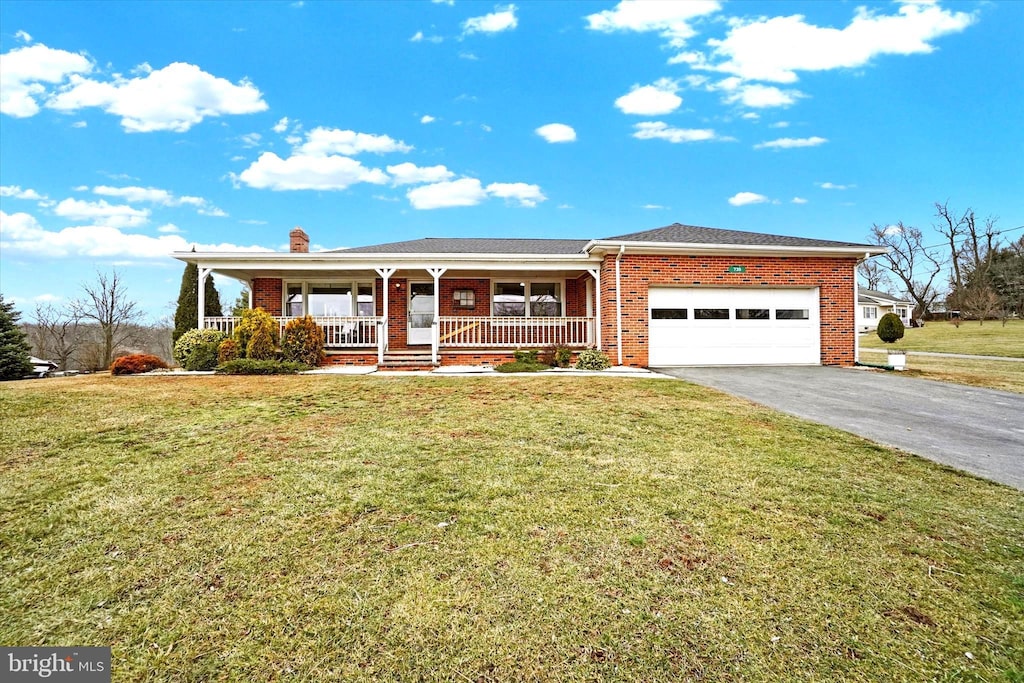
[(990, 339), (992, 374), (321, 528)]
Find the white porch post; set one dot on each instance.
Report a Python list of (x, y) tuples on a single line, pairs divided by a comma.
[(248, 285), (435, 336), (203, 274), (382, 331), (596, 274)]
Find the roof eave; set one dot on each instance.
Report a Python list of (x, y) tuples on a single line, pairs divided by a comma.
[(702, 248)]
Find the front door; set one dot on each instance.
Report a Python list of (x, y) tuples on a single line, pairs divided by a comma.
[(421, 312)]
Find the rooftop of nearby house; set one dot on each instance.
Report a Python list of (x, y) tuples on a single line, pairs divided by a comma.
[(865, 295), (670, 234)]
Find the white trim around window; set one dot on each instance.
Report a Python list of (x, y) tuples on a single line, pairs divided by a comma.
[(527, 294), (306, 287)]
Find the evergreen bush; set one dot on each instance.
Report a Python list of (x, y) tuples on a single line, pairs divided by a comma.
[(191, 341), (890, 328), (14, 346), (256, 335), (249, 366), (521, 366), (227, 351), (592, 359), (303, 341), (136, 363)]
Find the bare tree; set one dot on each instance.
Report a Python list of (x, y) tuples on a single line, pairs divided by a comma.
[(971, 249), (106, 304), (56, 334), (874, 274), (981, 302), (914, 265)]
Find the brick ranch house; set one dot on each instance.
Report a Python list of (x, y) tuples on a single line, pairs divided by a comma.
[(677, 295)]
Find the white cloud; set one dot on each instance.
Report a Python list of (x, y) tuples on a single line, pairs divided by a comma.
[(251, 139), (21, 233), (46, 298), (751, 116), (565, 206), (308, 172), (25, 70), (789, 143), (411, 174), (670, 18), (427, 118), (462, 192), (79, 124), (153, 195), (281, 125), (169, 228), (762, 96), (798, 200), (469, 56), (501, 19), (322, 141), (23, 36), (774, 49), (557, 132), (212, 211), (524, 194), (651, 100), (833, 186), (485, 128), (16, 192), (659, 130), (653, 206), (101, 212), (174, 98), (744, 198), (416, 37), (780, 124)]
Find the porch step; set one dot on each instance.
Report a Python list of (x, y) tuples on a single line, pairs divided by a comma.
[(406, 359)]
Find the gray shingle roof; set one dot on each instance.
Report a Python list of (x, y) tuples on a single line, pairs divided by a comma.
[(694, 234), (875, 294), (472, 245)]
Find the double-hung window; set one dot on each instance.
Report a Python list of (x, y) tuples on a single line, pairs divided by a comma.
[(329, 299)]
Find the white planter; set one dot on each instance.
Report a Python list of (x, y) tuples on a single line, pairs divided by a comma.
[(898, 360)]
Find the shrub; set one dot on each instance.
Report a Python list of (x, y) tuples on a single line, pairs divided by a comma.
[(556, 355), (526, 356), (256, 335), (303, 341), (521, 366), (890, 328), (203, 358), (250, 366), (191, 340), (592, 359), (227, 351), (136, 363)]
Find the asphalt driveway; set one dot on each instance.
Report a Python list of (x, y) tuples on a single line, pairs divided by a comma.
[(980, 431)]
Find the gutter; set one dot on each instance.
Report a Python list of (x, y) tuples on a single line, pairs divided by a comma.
[(618, 302)]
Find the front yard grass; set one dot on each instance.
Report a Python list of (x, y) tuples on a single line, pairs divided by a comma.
[(991, 374), (322, 528), (990, 339)]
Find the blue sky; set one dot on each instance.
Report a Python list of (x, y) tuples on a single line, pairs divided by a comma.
[(129, 129)]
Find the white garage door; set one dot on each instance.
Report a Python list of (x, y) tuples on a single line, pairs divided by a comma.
[(734, 327)]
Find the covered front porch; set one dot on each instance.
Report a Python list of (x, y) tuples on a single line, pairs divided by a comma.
[(439, 312)]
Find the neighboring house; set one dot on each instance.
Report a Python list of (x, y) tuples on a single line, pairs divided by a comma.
[(872, 305), (677, 295), (41, 368)]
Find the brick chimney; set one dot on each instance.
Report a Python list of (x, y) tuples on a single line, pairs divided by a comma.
[(298, 241)]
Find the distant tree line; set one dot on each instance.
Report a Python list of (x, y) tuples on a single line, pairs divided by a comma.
[(985, 272)]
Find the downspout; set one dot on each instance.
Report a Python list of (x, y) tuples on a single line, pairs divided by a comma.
[(856, 332), (618, 301)]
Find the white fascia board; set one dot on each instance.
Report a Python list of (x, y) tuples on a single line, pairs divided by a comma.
[(608, 246), (363, 261)]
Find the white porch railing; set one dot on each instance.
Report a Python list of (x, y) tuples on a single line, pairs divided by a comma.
[(496, 332), (340, 332)]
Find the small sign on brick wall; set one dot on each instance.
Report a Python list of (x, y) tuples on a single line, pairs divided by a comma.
[(736, 269)]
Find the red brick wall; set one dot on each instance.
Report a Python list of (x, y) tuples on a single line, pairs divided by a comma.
[(266, 294), (833, 276), (398, 306), (482, 292), (345, 358), (481, 357), (576, 295)]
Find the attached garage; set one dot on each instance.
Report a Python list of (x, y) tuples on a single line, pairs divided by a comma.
[(734, 326)]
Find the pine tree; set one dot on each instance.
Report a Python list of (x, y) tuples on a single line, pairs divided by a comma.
[(14, 346), (186, 315)]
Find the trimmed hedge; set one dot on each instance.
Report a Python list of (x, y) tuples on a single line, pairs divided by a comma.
[(521, 366), (256, 335), (890, 328), (250, 366), (227, 351), (136, 364)]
